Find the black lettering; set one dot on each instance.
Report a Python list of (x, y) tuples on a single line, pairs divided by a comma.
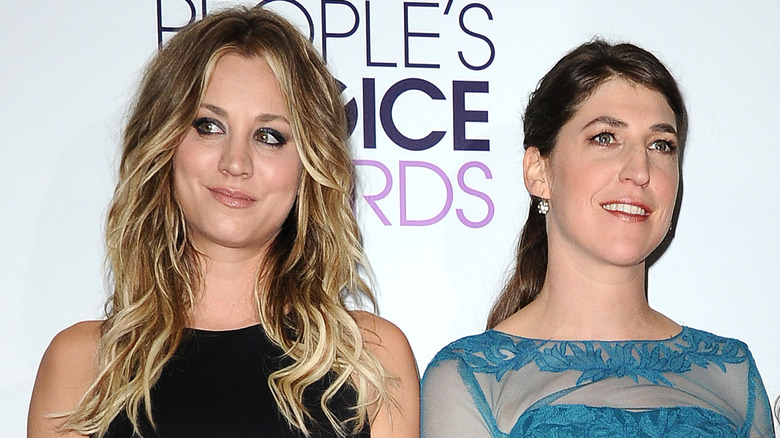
[(408, 34), (469, 32), (301, 8), (162, 29), (386, 114), (460, 116), (326, 34)]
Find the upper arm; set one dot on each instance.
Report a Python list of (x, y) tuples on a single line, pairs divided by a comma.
[(448, 406), (389, 345), (761, 421), (66, 371)]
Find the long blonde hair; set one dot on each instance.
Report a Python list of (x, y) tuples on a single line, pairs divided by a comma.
[(311, 266)]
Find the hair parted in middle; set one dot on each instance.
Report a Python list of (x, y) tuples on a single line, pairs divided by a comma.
[(310, 266), (559, 94)]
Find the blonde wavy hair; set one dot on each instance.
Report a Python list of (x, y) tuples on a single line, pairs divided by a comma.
[(312, 264)]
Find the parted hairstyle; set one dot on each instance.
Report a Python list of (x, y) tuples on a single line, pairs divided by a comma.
[(311, 266), (559, 94)]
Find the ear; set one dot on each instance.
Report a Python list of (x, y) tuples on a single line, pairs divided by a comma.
[(535, 173)]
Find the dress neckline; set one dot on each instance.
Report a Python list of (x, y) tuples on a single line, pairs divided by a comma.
[(683, 330), (224, 332)]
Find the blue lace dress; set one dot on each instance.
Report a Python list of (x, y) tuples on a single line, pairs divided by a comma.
[(494, 384)]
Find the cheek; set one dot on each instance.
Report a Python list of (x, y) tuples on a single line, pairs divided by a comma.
[(187, 167), (181, 170), (177, 175), (181, 192), (287, 174), (668, 185), (193, 160), (184, 160), (575, 179)]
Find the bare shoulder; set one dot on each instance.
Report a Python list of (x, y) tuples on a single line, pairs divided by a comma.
[(73, 349), (67, 369), (391, 347), (385, 340), (79, 336), (379, 331)]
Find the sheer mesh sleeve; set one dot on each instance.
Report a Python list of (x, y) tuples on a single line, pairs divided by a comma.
[(759, 415), (448, 407)]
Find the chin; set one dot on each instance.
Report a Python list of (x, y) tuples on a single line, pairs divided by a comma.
[(232, 241), (628, 263), (627, 258), (629, 252)]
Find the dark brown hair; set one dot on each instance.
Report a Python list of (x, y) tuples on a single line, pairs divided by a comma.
[(557, 97)]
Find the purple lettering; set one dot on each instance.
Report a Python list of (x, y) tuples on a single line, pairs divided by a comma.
[(462, 184), (402, 166), (371, 199)]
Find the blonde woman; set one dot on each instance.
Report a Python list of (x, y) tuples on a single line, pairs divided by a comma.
[(232, 248)]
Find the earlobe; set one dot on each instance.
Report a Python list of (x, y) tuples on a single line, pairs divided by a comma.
[(535, 173)]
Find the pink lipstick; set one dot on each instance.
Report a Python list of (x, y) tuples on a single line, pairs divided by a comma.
[(630, 211), (231, 198)]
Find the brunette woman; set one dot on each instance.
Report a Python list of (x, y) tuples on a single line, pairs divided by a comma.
[(573, 349)]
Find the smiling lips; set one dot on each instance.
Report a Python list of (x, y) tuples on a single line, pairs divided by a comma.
[(630, 212), (231, 198)]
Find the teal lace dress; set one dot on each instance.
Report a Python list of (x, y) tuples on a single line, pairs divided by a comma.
[(494, 384)]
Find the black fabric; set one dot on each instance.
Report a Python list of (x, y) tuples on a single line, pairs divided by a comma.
[(217, 386)]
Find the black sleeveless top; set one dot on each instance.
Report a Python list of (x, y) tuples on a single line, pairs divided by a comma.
[(217, 386)]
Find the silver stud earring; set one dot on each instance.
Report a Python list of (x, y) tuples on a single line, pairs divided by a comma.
[(543, 207)]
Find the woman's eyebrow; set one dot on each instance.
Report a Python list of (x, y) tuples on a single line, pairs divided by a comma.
[(270, 117), (264, 117), (215, 109), (617, 123), (607, 120), (663, 127)]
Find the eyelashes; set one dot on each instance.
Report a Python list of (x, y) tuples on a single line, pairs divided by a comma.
[(270, 136), (607, 138), (603, 138), (207, 126), (664, 146)]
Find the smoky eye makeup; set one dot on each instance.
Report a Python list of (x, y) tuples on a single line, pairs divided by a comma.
[(208, 126), (270, 137)]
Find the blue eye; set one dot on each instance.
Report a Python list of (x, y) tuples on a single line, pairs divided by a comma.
[(207, 126), (270, 136)]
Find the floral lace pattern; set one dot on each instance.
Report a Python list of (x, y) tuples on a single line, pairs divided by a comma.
[(695, 384), (496, 353), (586, 421)]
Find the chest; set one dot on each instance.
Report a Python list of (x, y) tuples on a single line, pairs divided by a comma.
[(217, 385)]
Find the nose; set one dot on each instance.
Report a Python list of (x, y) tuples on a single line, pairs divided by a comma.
[(636, 168), (236, 159)]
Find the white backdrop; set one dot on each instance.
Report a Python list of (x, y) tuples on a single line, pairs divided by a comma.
[(439, 242)]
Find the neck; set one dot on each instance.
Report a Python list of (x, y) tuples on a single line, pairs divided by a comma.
[(588, 301), (587, 306), (227, 300)]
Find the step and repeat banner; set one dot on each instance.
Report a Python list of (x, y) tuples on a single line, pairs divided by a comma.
[(435, 90)]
